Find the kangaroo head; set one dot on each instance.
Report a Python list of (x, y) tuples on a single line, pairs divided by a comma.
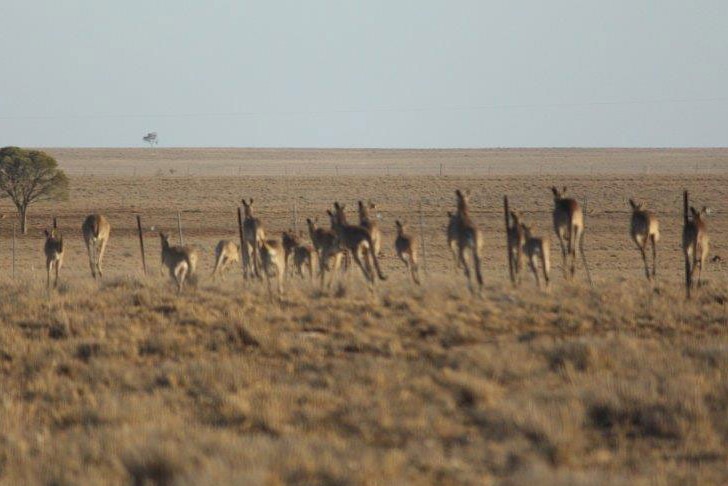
[(400, 226), (516, 217), (526, 229), (636, 206), (558, 194), (462, 200)]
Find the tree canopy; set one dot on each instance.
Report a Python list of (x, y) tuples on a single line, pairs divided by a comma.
[(28, 176)]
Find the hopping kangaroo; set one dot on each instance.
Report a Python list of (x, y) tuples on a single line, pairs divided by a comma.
[(272, 257), (253, 236), (326, 244), (180, 260), (406, 247), (516, 241), (96, 229), (370, 224), (53, 250), (467, 237), (537, 250), (644, 228), (304, 256), (226, 253), (358, 241), (569, 227), (695, 244)]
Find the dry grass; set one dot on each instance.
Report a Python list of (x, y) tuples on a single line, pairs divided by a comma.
[(125, 382)]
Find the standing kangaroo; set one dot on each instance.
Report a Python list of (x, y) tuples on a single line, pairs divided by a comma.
[(516, 239), (370, 224), (406, 247), (290, 241), (467, 237), (272, 260), (645, 228), (96, 230), (53, 250), (326, 244), (180, 260), (695, 243), (537, 250), (358, 241), (569, 227), (253, 236), (226, 253)]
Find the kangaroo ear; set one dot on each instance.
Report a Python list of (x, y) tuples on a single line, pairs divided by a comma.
[(706, 210), (694, 211), (372, 205), (633, 204), (555, 191), (46, 233), (563, 191), (449, 214)]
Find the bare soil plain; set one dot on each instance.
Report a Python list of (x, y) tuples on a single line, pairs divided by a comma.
[(124, 382)]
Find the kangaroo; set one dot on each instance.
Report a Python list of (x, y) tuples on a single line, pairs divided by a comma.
[(516, 240), (253, 235), (226, 253), (326, 244), (370, 224), (53, 250), (406, 247), (290, 241), (96, 229), (645, 228), (569, 227), (537, 249), (467, 237), (695, 243), (304, 256), (272, 257), (452, 237), (180, 260), (358, 241)]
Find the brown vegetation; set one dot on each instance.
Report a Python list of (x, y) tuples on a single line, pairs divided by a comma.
[(123, 381)]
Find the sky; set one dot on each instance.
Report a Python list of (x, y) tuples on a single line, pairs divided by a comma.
[(368, 73)]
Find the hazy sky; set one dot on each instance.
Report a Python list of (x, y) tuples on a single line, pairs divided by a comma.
[(314, 73)]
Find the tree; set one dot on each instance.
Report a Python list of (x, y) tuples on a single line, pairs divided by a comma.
[(28, 176), (151, 138)]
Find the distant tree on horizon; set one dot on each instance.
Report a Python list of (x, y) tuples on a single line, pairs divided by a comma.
[(151, 138)]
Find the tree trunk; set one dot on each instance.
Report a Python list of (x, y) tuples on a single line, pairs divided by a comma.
[(23, 220)]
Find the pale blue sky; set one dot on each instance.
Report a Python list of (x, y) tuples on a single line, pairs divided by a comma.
[(369, 73)]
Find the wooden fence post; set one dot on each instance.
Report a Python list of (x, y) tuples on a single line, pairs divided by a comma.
[(141, 243), (13, 249), (243, 251), (507, 216), (422, 239), (179, 228), (688, 274)]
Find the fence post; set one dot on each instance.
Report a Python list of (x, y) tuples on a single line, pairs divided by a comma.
[(422, 239), (243, 250), (13, 250), (295, 216), (688, 276), (141, 243), (581, 244), (179, 228), (506, 214), (440, 170)]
